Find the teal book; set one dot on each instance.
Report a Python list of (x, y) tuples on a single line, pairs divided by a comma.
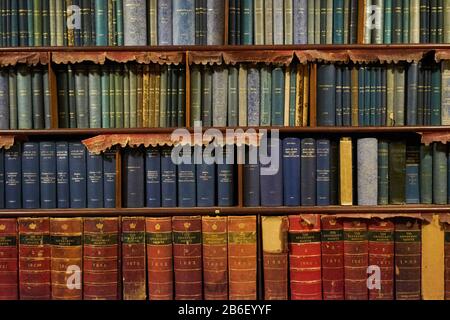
[(440, 164), (206, 97), (426, 174), (24, 98), (12, 87), (133, 97), (81, 96), (101, 22), (233, 98), (292, 95), (30, 23), (47, 100), (397, 21), (323, 21), (163, 98), (387, 35), (95, 97), (435, 95), (52, 22), (399, 96), (181, 97), (247, 13), (126, 96), (14, 23), (63, 97), (220, 96), (38, 98), (196, 96), (338, 21), (277, 114), (105, 102), (112, 98), (119, 24), (266, 96), (397, 172), (72, 99), (383, 172), (23, 22), (118, 96)]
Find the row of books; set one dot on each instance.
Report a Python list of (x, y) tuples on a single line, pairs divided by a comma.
[(382, 95), (121, 96), (61, 174), (245, 95), (24, 98), (305, 257), (152, 179), (413, 21), (366, 171)]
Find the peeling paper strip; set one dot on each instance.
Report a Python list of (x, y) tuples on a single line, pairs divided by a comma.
[(305, 56), (441, 54), (386, 55), (120, 57), (444, 218), (430, 137), (205, 57), (278, 57), (6, 142), (29, 58), (420, 216)]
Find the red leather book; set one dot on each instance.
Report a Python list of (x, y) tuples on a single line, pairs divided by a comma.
[(408, 258), (381, 254), (332, 237), (34, 259), (100, 259), (67, 258), (159, 258), (187, 257), (8, 259), (242, 257), (215, 261), (447, 260), (356, 259), (305, 257), (275, 256), (134, 276)]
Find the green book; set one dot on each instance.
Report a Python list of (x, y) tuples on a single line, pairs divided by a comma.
[(433, 21), (12, 87), (52, 22), (277, 113), (387, 22), (47, 99), (14, 27), (24, 98), (338, 22), (311, 22), (397, 172), (207, 97), (81, 96), (383, 172), (406, 20), (268, 22), (317, 21), (119, 24), (30, 22), (266, 96), (181, 97), (346, 21), (259, 21), (440, 21), (38, 20), (292, 95), (59, 16), (414, 25), (323, 21), (397, 21), (133, 96), (242, 95), (126, 96), (173, 108), (153, 23), (38, 98), (95, 97), (439, 173), (288, 22), (112, 98), (163, 98), (399, 96), (435, 96), (139, 96), (105, 102), (72, 102), (233, 98), (118, 96), (426, 174), (390, 76), (196, 95)]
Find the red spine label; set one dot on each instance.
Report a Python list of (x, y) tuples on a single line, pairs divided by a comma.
[(8, 259)]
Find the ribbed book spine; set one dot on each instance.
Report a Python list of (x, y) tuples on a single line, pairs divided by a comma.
[(8, 259)]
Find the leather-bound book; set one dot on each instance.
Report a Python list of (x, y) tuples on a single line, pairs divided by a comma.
[(134, 276), (67, 258), (100, 259), (356, 259), (407, 259), (381, 254), (8, 259), (159, 258), (305, 257), (215, 261), (34, 259), (187, 257), (275, 256), (332, 258), (242, 257)]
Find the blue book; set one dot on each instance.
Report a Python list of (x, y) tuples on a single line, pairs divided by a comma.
[(62, 174), (251, 178), (253, 97), (412, 188), (334, 173), (13, 177), (77, 173), (186, 183), (94, 165), (308, 172), (206, 184), (291, 171), (47, 163), (323, 172), (367, 95), (4, 103), (30, 175), (133, 180), (109, 178), (153, 177), (183, 27), (168, 179), (377, 97), (373, 85), (164, 22), (436, 95), (271, 176), (2, 178), (326, 95), (225, 177), (300, 22), (361, 95), (246, 23)]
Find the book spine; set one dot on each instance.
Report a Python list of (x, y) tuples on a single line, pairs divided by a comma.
[(308, 172), (81, 97), (367, 154), (407, 260), (397, 19), (387, 37), (105, 98), (118, 97), (34, 259), (62, 175), (345, 171), (101, 22), (253, 98), (271, 177), (119, 22), (94, 182), (13, 177), (435, 118), (47, 99), (338, 22), (8, 259), (346, 97), (414, 26), (424, 21), (4, 100), (383, 172), (133, 258), (314, 17), (291, 96), (412, 188), (338, 97), (215, 262), (206, 96), (323, 172), (109, 178), (48, 176), (72, 113), (2, 179), (231, 22), (23, 23), (426, 174), (30, 175), (233, 98), (405, 21), (251, 178), (186, 183), (301, 22), (219, 96), (326, 96), (246, 16), (242, 257), (242, 103), (135, 26), (267, 22), (334, 174), (181, 98), (66, 240), (446, 17), (399, 96), (277, 113), (266, 96), (332, 247), (225, 177), (163, 99), (37, 98), (291, 171), (356, 259), (164, 22), (397, 174), (288, 19), (439, 173), (95, 102), (215, 22), (275, 257), (168, 179), (305, 258), (445, 94), (183, 26), (196, 87), (153, 23), (447, 260), (77, 173), (205, 184), (411, 99), (24, 98), (153, 177), (101, 259), (14, 23), (126, 96), (133, 182)]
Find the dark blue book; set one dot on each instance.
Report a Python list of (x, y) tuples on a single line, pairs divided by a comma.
[(383, 103), (334, 173), (133, 180), (153, 177), (47, 163), (168, 179), (411, 94), (435, 96), (326, 95), (94, 165), (206, 184), (323, 172), (346, 97), (361, 95), (367, 95), (77, 173), (308, 172), (13, 177), (62, 175), (225, 177), (271, 174), (373, 95), (377, 97), (251, 177), (291, 171), (412, 188), (338, 94), (186, 182), (109, 178), (30, 175), (2, 178)]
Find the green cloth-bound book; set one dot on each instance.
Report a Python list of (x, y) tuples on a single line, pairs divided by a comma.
[(181, 97), (292, 95), (133, 96), (233, 98), (397, 172), (47, 99), (439, 173), (387, 22), (206, 115), (338, 22), (397, 19), (38, 20), (323, 21), (119, 23), (277, 97), (126, 96), (399, 96), (104, 79), (30, 22), (426, 174), (12, 86), (81, 96), (266, 96), (118, 96), (406, 21), (95, 97), (38, 98), (24, 98), (52, 21), (163, 98), (112, 98), (196, 99), (72, 102)]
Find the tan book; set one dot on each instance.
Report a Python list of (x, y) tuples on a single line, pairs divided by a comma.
[(354, 92), (156, 97), (414, 24), (299, 97), (390, 96), (345, 171), (305, 110)]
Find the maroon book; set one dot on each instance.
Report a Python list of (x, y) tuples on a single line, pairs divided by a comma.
[(8, 259)]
